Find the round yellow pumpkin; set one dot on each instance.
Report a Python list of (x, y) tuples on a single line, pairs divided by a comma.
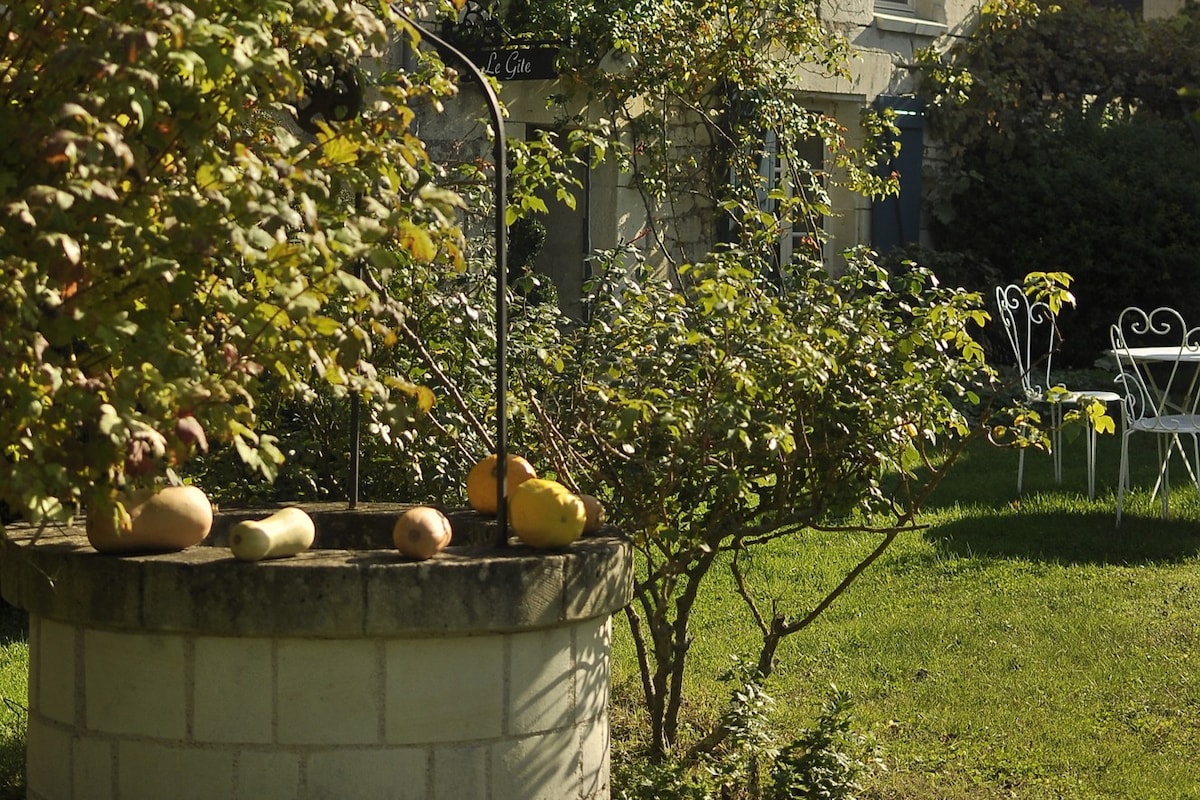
[(482, 493)]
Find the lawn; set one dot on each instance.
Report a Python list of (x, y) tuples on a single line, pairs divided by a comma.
[(14, 669), (1014, 649)]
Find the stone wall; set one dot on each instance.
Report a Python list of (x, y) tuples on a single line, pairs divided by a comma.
[(120, 714)]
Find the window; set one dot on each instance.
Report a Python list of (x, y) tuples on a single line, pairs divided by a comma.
[(789, 186), (903, 8), (798, 237), (915, 17)]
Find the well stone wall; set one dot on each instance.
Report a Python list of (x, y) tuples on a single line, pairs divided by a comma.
[(345, 672)]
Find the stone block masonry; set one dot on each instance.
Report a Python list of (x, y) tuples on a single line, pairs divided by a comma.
[(498, 693)]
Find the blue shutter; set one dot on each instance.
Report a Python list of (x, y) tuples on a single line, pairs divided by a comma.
[(896, 220)]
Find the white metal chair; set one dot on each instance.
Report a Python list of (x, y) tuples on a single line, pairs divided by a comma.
[(1033, 333), (1159, 360)]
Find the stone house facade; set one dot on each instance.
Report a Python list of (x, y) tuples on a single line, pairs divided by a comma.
[(885, 36)]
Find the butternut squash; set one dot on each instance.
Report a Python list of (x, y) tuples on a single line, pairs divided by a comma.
[(595, 513), (421, 532), (170, 519), (287, 532)]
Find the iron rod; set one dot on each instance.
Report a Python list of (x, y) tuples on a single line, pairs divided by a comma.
[(501, 234)]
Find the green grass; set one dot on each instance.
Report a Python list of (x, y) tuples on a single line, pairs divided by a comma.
[(14, 671), (1017, 648)]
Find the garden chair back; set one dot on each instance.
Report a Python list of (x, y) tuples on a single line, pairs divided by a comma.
[(1032, 330)]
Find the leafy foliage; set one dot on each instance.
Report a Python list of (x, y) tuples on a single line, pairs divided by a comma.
[(705, 94), (1072, 110), (825, 762), (730, 413), (183, 265), (447, 345), (731, 399), (173, 247)]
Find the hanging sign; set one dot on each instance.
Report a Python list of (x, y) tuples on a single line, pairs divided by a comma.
[(517, 63)]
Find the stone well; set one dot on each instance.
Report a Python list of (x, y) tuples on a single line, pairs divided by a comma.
[(346, 672)]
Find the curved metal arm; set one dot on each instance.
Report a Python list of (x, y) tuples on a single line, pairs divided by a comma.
[(501, 233)]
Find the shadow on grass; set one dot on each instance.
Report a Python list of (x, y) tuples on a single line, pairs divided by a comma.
[(14, 628), (1069, 537), (14, 624), (12, 767), (977, 511)]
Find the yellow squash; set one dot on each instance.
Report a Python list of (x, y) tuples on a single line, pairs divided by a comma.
[(544, 513), (482, 492), (147, 521)]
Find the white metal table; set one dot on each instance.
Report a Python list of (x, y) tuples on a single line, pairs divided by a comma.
[(1169, 354)]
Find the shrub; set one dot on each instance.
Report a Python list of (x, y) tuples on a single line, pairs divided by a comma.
[(446, 343), (1104, 206), (825, 762), (168, 235), (1066, 145)]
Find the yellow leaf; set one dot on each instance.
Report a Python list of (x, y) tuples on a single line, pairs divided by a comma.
[(335, 375), (208, 176), (335, 148), (324, 326), (425, 398), (422, 394), (417, 242)]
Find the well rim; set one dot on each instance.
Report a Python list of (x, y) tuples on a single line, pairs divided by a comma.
[(362, 590)]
